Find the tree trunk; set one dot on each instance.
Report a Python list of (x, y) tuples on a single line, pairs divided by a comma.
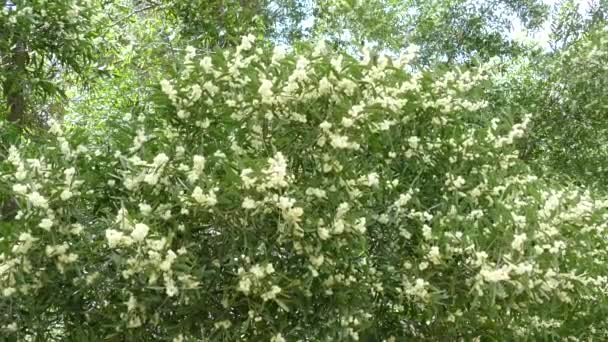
[(14, 91)]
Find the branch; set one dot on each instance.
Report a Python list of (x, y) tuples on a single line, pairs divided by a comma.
[(143, 9)]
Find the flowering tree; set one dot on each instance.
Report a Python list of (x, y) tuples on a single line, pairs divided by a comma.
[(277, 196)]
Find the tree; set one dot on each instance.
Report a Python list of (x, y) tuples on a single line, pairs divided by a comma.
[(223, 22), (453, 31), (562, 88), (39, 39)]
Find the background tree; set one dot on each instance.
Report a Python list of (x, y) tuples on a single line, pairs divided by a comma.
[(39, 40)]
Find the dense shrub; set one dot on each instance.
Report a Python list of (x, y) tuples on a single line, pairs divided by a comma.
[(274, 196)]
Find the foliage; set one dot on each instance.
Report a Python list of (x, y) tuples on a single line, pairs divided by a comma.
[(38, 39), (140, 46), (212, 23), (451, 31), (569, 133), (284, 197)]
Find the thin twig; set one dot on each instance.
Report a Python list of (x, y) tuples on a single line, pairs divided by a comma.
[(143, 9)]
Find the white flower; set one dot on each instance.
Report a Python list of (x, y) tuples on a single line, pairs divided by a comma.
[(225, 324), (265, 91), (170, 287), (244, 285), (423, 265), (196, 93), (182, 114), (114, 237), (151, 178), (198, 163), (211, 88), (246, 42), (403, 200), (323, 233), (20, 189), (317, 261), (278, 338), (168, 89), (347, 122), (459, 182), (131, 303), (494, 276), (145, 209), (419, 289), (46, 224), (338, 226), (426, 232), (160, 159), (325, 125), (339, 141), (204, 199), (373, 180), (11, 327), (277, 54), (359, 225), (293, 215), (206, 64), (248, 181), (518, 241), (55, 127), (76, 229), (434, 255), (319, 193), (320, 48), (336, 63), (69, 174), (169, 259), (413, 142), (140, 232), (26, 240), (37, 200), (66, 194), (324, 86), (386, 125), (257, 271), (272, 293), (277, 171), (9, 291), (285, 202), (248, 203)]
